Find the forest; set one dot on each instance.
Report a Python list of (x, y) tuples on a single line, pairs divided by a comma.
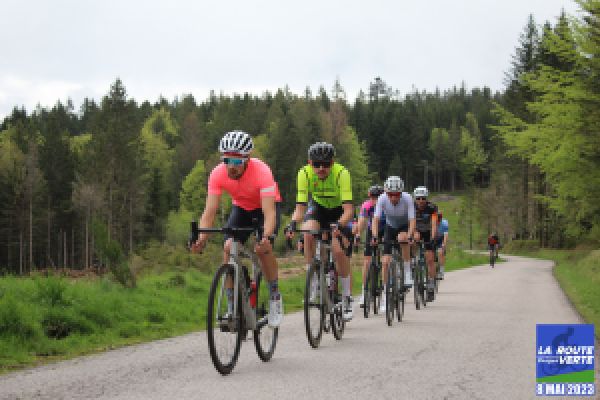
[(96, 182)]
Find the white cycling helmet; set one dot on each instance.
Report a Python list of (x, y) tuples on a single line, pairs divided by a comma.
[(236, 142), (421, 191), (393, 184)]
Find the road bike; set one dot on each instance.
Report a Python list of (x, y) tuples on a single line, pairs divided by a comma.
[(322, 299), (373, 283), (238, 302)]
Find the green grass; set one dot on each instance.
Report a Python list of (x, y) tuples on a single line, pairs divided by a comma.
[(578, 273)]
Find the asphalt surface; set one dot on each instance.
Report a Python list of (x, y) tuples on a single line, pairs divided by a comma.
[(476, 341)]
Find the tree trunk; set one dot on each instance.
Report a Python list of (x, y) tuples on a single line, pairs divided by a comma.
[(20, 252), (31, 233), (130, 225), (87, 239)]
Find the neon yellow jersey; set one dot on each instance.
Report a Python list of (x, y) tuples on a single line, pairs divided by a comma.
[(330, 192)]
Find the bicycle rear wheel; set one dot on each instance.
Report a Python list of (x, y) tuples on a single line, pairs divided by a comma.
[(223, 329), (313, 306), (368, 292), (492, 258), (265, 337)]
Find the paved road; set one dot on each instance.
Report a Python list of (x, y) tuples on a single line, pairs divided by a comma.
[(477, 341)]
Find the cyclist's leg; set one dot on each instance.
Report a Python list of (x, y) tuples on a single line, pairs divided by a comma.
[(429, 256), (311, 222), (402, 237)]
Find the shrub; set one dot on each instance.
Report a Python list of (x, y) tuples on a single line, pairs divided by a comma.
[(51, 291), (58, 323), (16, 320)]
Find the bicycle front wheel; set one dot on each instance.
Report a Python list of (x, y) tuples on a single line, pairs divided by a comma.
[(400, 296), (416, 289), (223, 327), (313, 306), (389, 294), (265, 337), (337, 320)]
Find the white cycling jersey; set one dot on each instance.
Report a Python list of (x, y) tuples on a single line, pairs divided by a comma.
[(396, 215)]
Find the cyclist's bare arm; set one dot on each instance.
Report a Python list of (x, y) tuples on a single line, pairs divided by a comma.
[(297, 216), (347, 215), (268, 209), (207, 219), (412, 226), (375, 226), (360, 226)]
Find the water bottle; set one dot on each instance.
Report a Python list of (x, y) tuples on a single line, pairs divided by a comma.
[(253, 294), (328, 280)]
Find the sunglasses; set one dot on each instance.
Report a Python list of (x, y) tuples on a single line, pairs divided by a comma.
[(236, 162), (421, 198), (319, 164), (394, 194)]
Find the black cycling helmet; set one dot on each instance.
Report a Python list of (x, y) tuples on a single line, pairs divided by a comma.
[(321, 151), (375, 190)]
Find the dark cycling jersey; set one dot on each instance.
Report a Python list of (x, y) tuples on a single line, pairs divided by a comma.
[(493, 240), (425, 216)]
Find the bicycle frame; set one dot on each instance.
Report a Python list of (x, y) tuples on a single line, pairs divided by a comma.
[(324, 256), (237, 251)]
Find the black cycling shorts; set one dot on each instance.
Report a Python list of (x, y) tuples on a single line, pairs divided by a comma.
[(438, 241), (368, 248), (390, 238), (327, 216), (240, 218), (426, 238)]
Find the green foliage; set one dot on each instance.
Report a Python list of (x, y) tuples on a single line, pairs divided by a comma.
[(193, 190)]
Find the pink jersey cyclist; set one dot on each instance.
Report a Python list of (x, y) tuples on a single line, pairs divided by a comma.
[(246, 192)]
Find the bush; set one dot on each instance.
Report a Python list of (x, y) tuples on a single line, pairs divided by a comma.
[(16, 320), (521, 245), (51, 291), (58, 323)]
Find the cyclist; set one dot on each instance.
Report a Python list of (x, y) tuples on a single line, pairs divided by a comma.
[(441, 241), (254, 192), (493, 243), (399, 210), (365, 218), (330, 186), (426, 216)]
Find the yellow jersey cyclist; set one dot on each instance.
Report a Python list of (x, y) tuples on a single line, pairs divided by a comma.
[(329, 185)]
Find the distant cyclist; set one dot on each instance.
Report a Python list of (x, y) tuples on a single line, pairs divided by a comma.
[(441, 243), (493, 244), (399, 211), (330, 186), (254, 192), (367, 210), (426, 216)]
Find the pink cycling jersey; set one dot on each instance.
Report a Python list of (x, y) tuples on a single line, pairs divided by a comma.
[(367, 209), (255, 183)]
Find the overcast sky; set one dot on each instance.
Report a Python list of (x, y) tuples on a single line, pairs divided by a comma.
[(51, 50)]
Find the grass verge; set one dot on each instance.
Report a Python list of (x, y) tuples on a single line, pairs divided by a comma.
[(578, 273)]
